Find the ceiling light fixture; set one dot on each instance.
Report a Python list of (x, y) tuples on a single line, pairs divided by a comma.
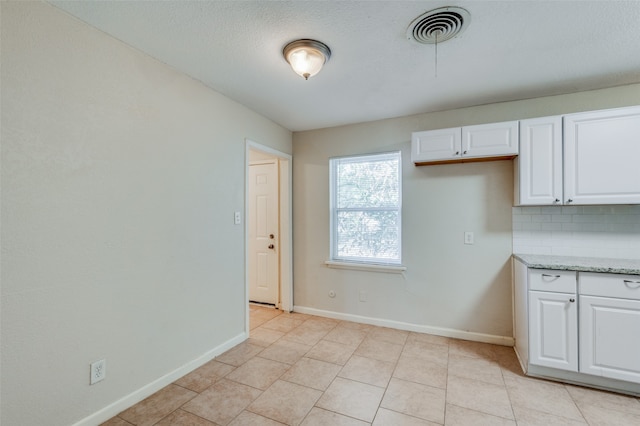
[(306, 57)]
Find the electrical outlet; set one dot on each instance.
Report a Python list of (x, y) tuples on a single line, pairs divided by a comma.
[(98, 371), (237, 219), (468, 237), (363, 295)]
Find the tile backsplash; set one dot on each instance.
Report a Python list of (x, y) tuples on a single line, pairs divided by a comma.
[(595, 231)]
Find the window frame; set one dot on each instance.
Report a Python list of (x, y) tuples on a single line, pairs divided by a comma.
[(378, 264)]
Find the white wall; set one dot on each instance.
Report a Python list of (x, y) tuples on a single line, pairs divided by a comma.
[(120, 177), (595, 231), (447, 284)]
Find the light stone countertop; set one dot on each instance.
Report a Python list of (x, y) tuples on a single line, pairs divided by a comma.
[(583, 264)]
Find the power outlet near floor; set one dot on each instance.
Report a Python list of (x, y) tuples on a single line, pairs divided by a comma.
[(98, 371), (468, 237)]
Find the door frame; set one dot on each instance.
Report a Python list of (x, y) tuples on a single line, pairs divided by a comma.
[(285, 223)]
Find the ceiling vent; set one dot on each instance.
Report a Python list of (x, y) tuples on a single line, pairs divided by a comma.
[(438, 25)]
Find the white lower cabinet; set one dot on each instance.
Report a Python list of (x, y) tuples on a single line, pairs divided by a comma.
[(589, 333), (610, 326), (610, 337), (553, 324)]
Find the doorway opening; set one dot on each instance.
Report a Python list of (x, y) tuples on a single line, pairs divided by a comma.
[(268, 229)]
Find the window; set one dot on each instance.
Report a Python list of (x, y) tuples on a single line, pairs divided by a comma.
[(366, 201)]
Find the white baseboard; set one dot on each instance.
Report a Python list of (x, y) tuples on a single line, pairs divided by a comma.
[(438, 331), (133, 398)]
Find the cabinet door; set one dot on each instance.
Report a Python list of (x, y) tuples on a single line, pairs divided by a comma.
[(601, 152), (436, 145), (539, 161), (490, 140), (610, 337), (553, 330), (520, 312)]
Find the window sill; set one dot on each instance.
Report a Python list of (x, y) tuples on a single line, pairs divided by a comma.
[(389, 269)]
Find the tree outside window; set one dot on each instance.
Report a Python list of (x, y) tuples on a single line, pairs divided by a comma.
[(366, 201)]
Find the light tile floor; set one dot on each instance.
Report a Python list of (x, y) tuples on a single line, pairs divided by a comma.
[(299, 369)]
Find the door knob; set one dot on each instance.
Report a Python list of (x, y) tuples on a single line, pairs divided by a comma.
[(271, 246)]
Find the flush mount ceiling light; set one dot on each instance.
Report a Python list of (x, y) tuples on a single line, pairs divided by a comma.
[(306, 57)]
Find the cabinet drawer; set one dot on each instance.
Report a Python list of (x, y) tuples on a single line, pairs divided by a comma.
[(610, 285), (552, 280)]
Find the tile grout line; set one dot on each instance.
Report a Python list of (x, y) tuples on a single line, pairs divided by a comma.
[(291, 366), (576, 403), (506, 389), (388, 382), (446, 384), (371, 334)]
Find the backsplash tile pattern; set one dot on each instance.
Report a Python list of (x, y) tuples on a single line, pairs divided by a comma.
[(594, 231)]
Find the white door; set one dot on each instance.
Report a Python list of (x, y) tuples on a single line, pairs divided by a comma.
[(610, 337), (435, 145), (490, 140), (540, 161), (264, 276), (601, 152), (553, 330)]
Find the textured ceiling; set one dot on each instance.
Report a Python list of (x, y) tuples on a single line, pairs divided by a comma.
[(511, 50)]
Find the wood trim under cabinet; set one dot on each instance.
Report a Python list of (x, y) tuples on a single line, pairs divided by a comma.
[(466, 160)]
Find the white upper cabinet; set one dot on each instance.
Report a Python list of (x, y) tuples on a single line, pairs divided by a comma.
[(584, 158), (436, 145), (461, 144), (602, 157), (538, 167), (490, 140)]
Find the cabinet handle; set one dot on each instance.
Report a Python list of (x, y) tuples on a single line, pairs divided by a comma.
[(551, 276), (627, 282), (464, 152), (572, 300), (556, 201), (569, 200), (457, 153)]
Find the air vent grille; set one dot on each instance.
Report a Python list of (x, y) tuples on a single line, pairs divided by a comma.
[(438, 25)]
